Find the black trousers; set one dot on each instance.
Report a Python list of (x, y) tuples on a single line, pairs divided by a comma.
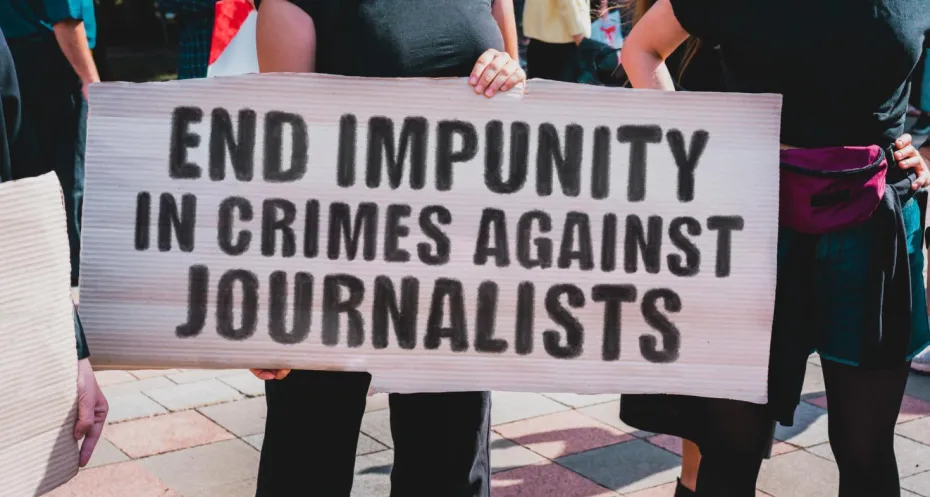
[(53, 127), (552, 61), (441, 441)]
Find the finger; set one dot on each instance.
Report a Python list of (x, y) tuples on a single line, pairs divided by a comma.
[(501, 78), (491, 72), (85, 418), (481, 65), (903, 141), (263, 374), (90, 443), (281, 374), (923, 180), (514, 80), (904, 153)]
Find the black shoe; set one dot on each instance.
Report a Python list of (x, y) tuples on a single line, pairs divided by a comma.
[(683, 491), (922, 126)]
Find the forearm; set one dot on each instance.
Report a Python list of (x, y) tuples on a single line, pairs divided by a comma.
[(503, 13), (72, 39), (646, 70)]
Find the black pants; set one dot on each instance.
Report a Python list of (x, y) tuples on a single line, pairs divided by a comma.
[(53, 128), (553, 61), (441, 441)]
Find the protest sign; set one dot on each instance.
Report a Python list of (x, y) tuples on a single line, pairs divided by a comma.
[(572, 239), (38, 354)]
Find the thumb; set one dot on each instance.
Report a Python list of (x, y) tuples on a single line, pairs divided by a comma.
[(85, 419)]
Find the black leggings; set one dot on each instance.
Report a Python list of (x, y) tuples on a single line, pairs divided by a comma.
[(864, 406)]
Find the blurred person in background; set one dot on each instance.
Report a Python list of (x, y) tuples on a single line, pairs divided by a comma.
[(195, 20), (555, 28), (51, 42)]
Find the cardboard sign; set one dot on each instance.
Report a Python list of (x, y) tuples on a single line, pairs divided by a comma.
[(572, 239), (38, 356)]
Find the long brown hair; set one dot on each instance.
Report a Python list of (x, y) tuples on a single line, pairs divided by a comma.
[(638, 9)]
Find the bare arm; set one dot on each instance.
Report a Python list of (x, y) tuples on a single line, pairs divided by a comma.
[(651, 41), (502, 10), (285, 38), (72, 38)]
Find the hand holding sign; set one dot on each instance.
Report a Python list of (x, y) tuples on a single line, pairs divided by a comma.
[(495, 71)]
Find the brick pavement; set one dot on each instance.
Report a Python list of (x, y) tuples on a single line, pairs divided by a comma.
[(196, 433)]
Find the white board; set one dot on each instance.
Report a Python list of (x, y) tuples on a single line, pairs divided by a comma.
[(38, 357), (716, 327)]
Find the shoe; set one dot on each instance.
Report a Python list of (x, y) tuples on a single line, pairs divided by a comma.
[(683, 491), (922, 125), (921, 362)]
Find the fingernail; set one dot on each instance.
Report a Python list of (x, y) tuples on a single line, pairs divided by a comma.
[(898, 155), (489, 93), (472, 80), (505, 88), (479, 88)]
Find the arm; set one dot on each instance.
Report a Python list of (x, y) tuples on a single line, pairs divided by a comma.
[(576, 20), (650, 42), (502, 10), (286, 38), (72, 39)]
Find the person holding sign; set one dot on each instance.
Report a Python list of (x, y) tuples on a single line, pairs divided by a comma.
[(440, 440), (849, 287), (92, 404)]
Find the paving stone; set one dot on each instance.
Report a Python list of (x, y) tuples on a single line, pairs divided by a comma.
[(198, 469), (799, 473), (241, 418), (377, 402), (176, 431), (667, 442), (779, 448), (919, 386), (561, 434), (814, 359), (824, 451), (813, 382), (105, 453), (131, 406), (377, 425), (195, 375), (105, 378), (918, 430), (247, 383), (810, 427), (545, 479), (114, 480), (919, 484), (609, 413), (506, 455), (905, 493), (913, 458), (151, 373), (913, 408), (255, 440), (626, 467), (368, 445), (507, 407), (238, 489), (373, 475), (668, 490), (192, 395), (577, 400), (137, 386)]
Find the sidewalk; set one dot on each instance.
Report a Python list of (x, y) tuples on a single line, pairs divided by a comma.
[(195, 433)]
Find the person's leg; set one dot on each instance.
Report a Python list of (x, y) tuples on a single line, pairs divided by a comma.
[(441, 444), (732, 448), (552, 61), (864, 407), (311, 434), (690, 462)]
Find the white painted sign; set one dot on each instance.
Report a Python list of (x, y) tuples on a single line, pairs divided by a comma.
[(572, 239)]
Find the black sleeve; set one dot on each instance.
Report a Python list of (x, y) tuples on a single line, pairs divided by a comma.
[(308, 6), (82, 351), (703, 19)]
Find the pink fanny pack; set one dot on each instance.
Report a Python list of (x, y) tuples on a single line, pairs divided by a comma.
[(830, 189)]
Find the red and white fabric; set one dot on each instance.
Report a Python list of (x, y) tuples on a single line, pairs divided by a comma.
[(233, 49)]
